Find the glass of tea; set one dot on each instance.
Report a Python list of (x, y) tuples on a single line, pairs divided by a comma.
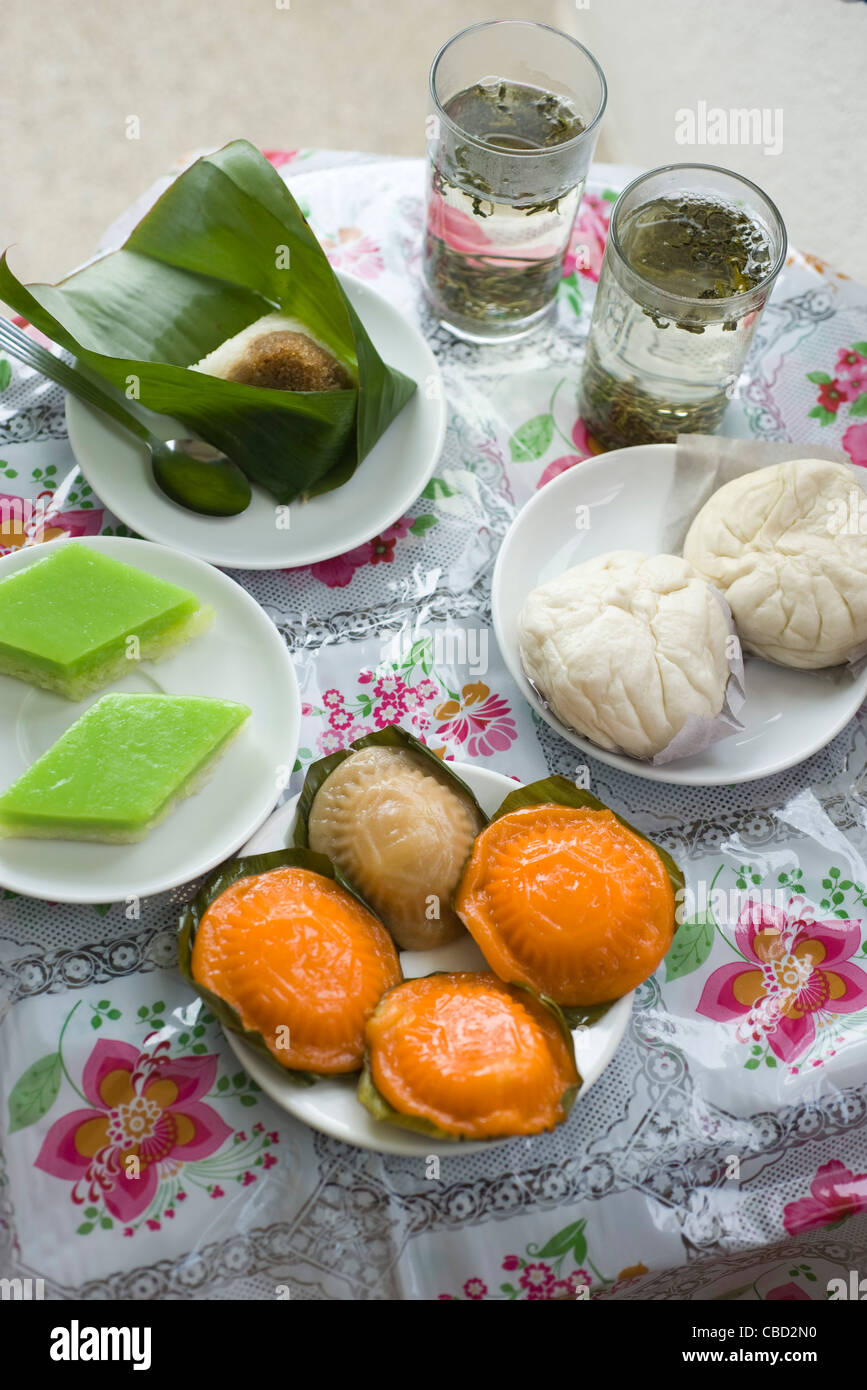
[(515, 112), (692, 255)]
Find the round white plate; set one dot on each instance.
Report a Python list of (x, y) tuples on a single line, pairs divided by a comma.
[(383, 486), (787, 715), (241, 657), (330, 1105)]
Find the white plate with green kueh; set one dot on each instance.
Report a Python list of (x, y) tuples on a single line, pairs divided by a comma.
[(149, 715)]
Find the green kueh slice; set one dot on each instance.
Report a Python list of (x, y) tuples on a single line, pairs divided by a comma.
[(121, 767), (79, 619)]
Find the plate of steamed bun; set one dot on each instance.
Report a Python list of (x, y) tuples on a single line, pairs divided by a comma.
[(416, 956), (735, 659)]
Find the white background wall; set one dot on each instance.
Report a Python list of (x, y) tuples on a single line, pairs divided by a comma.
[(806, 57), (353, 74)]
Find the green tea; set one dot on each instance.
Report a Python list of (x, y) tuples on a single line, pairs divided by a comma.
[(497, 230), (648, 374), (696, 248), (618, 413), (512, 116)]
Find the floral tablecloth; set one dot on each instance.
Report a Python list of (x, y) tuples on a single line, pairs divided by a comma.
[(724, 1151)]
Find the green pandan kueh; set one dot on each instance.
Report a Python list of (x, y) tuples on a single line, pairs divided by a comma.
[(224, 246), (76, 620), (121, 767)]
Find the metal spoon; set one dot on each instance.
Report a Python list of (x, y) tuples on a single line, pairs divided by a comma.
[(190, 472)]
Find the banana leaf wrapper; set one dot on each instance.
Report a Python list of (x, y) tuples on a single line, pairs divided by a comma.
[(224, 245)]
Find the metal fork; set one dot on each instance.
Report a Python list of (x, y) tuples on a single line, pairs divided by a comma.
[(190, 472)]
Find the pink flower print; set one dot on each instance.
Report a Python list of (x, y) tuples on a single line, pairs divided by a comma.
[(412, 700), (427, 689), (366, 676), (399, 529), (306, 709), (341, 719), (587, 242), (851, 368), (457, 229), (583, 440), (269, 1160), (390, 687), (340, 569), (475, 1289), (569, 1287), (795, 971), (331, 741), (388, 711), (217, 1191), (419, 724), (248, 1178), (584, 447), (332, 699), (280, 157), (353, 251), (357, 731), (511, 1262), (25, 521), (480, 720), (382, 550), (786, 1293), (79, 521), (831, 396), (855, 444), (144, 1105), (558, 466), (835, 1191), (537, 1279)]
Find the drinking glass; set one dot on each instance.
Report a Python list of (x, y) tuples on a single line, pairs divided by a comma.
[(665, 350), (515, 112)]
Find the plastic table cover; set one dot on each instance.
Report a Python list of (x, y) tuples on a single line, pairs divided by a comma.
[(724, 1151)]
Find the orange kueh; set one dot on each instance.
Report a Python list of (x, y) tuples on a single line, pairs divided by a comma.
[(471, 1056), (569, 901), (302, 961)]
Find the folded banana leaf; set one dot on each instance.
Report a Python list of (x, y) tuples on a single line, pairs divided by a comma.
[(223, 246)]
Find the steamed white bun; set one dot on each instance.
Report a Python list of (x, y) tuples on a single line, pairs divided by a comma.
[(785, 546), (625, 648)]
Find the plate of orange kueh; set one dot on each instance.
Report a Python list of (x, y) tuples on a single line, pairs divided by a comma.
[(414, 953)]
